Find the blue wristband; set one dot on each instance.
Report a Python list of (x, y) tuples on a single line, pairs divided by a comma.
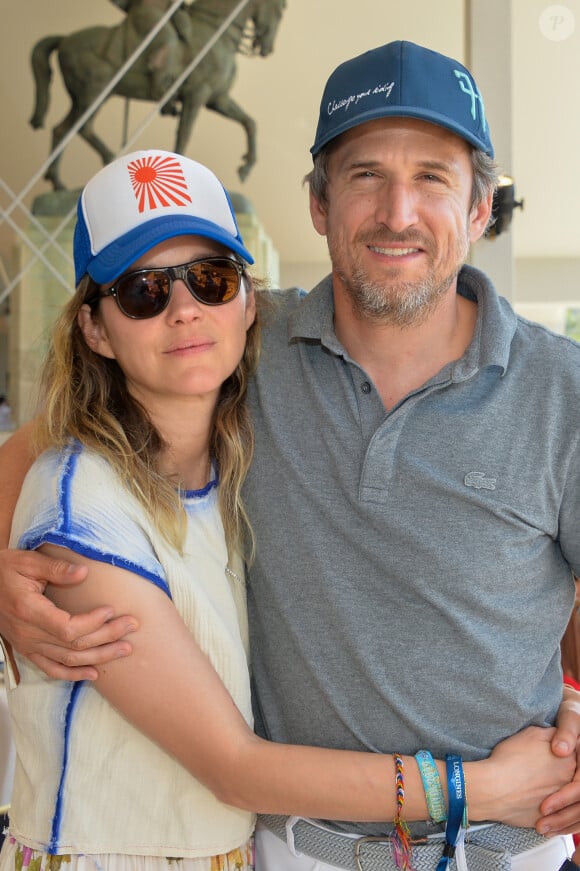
[(456, 790)]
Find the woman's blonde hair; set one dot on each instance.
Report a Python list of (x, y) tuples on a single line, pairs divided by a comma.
[(85, 398)]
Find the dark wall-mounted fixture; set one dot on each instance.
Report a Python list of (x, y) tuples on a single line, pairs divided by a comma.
[(504, 202)]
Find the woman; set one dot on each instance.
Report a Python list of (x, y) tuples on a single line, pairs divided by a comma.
[(143, 410)]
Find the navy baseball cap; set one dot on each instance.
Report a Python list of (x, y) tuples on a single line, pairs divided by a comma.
[(143, 198), (402, 79)]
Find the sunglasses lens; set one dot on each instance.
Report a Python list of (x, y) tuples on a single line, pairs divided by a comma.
[(213, 282), (143, 295), (146, 293)]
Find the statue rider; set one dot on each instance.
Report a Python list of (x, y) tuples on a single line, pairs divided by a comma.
[(163, 55)]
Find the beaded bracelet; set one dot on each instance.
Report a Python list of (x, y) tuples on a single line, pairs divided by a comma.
[(401, 837), (432, 785)]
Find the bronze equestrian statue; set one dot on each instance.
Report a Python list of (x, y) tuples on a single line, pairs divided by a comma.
[(89, 58)]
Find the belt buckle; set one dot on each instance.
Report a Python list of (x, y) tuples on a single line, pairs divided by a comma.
[(381, 839)]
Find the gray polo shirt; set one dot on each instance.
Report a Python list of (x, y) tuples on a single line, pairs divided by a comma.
[(412, 579)]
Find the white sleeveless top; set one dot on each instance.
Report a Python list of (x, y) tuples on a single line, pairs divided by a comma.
[(86, 780)]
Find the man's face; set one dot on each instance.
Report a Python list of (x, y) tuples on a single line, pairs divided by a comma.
[(398, 221)]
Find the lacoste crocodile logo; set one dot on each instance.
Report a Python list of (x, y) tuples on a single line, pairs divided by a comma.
[(479, 481)]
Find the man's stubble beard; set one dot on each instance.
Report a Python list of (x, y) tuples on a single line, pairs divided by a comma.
[(399, 303)]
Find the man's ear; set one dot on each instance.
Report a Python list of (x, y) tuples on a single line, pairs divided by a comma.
[(94, 332), (318, 215), (479, 218)]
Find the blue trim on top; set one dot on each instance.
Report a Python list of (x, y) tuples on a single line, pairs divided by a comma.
[(64, 492), (199, 494), (65, 535), (57, 818), (112, 559)]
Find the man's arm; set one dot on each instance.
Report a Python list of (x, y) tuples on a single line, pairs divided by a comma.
[(16, 457), (64, 647)]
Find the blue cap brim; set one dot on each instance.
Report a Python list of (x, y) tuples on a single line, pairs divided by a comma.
[(117, 257)]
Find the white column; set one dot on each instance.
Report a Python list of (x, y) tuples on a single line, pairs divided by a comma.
[(489, 57)]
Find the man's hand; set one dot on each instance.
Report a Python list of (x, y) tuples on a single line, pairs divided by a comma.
[(63, 646), (561, 811)]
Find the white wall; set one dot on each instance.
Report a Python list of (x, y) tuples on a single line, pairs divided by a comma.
[(546, 149), (550, 279)]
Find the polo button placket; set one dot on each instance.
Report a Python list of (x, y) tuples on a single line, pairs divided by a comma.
[(380, 458)]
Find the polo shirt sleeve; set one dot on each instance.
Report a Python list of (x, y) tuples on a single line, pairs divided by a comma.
[(569, 533)]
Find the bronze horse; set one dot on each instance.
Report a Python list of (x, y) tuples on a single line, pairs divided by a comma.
[(86, 70)]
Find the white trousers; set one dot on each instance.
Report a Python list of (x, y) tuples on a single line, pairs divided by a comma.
[(272, 854)]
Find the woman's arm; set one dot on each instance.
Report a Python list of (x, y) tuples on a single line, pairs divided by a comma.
[(171, 693), (64, 647)]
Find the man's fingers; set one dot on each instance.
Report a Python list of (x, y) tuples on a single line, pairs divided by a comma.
[(89, 632), (567, 735), (564, 822), (63, 646), (564, 741), (38, 567), (60, 672), (83, 632), (561, 811), (66, 664), (39, 619), (62, 572)]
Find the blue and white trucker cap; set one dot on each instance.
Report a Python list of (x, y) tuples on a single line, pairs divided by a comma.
[(141, 199), (402, 79)]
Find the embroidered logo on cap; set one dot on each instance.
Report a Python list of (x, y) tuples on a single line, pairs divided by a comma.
[(470, 88), (158, 181)]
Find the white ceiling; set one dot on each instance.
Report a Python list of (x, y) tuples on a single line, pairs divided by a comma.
[(282, 93)]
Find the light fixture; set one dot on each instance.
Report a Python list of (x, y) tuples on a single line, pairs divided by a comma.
[(504, 202)]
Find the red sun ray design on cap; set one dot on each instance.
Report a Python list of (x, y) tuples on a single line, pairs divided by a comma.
[(158, 182)]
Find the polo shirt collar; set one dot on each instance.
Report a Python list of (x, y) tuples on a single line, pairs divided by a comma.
[(494, 329), (495, 326), (314, 317)]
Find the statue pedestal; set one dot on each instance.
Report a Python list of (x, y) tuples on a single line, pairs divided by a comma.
[(34, 305), (256, 240), (39, 296)]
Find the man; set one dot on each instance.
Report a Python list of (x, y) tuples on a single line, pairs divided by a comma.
[(164, 56), (416, 488)]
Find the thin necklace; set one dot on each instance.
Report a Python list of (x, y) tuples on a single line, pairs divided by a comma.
[(234, 575)]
